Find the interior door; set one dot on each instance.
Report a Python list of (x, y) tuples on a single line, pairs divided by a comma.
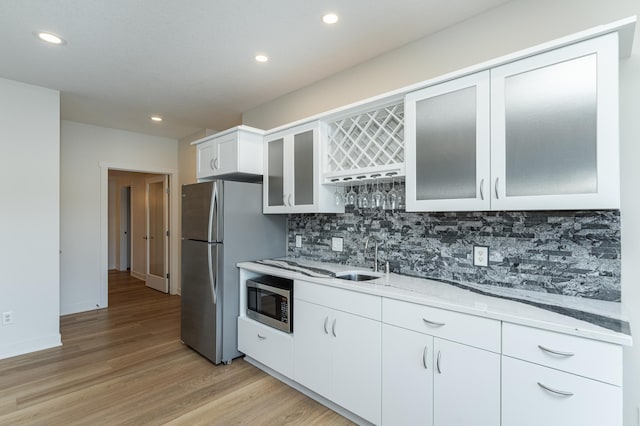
[(157, 238)]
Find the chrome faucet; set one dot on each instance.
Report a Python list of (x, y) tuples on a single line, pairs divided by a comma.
[(375, 258)]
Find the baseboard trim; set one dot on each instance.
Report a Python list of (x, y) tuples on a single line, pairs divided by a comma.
[(28, 346), (79, 307), (308, 392), (138, 275)]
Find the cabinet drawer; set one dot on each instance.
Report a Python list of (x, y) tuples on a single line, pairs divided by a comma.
[(585, 357), (526, 403), (364, 305), (474, 331), (269, 346)]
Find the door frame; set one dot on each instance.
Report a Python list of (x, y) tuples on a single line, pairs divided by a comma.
[(174, 218)]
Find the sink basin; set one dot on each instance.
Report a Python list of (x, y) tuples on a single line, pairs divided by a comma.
[(357, 276)]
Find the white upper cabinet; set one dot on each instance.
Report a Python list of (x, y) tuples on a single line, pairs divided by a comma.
[(447, 144), (534, 134), (235, 154), (554, 129), (292, 175)]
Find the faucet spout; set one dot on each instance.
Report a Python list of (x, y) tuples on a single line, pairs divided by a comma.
[(375, 252)]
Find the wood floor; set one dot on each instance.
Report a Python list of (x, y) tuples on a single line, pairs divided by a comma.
[(126, 365)]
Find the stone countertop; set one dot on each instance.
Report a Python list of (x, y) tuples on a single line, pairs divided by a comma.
[(599, 320)]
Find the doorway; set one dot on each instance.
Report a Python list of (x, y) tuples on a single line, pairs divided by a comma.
[(138, 226)]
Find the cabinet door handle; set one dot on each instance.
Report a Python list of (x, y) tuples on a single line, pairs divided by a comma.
[(290, 204), (555, 352), (424, 358), (261, 337), (433, 323), (496, 188), (333, 328), (284, 200), (556, 391), (482, 189), (212, 164), (215, 163), (326, 321), (438, 363)]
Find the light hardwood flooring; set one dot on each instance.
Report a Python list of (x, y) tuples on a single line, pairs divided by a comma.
[(126, 365)]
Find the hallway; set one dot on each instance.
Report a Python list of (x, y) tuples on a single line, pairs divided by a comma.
[(126, 365)]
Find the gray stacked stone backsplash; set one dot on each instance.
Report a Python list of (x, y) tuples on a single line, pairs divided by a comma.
[(574, 253)]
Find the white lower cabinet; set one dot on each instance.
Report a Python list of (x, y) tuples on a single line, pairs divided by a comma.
[(466, 385), (432, 381), (407, 377), (267, 345), (338, 356), (534, 395)]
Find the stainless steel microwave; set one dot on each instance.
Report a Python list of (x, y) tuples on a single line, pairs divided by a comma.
[(270, 301)]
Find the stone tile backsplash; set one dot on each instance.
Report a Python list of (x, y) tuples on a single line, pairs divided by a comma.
[(574, 253)]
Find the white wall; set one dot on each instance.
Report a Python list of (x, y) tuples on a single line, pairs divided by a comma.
[(514, 26), (86, 154), (29, 217)]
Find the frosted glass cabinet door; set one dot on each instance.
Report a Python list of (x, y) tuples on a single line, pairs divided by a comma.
[(303, 170), (447, 145), (554, 129), (275, 177)]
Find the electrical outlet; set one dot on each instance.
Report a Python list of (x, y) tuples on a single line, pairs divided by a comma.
[(298, 241), (7, 318), (336, 244), (481, 256)]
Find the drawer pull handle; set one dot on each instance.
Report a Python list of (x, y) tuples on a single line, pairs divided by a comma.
[(333, 328), (556, 391), (438, 363), (554, 352), (326, 322), (424, 358), (433, 323), (261, 337)]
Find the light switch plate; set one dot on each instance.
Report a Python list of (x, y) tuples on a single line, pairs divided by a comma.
[(481, 256), (336, 243), (298, 241)]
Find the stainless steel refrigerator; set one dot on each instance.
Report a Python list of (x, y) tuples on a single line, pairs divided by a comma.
[(222, 224)]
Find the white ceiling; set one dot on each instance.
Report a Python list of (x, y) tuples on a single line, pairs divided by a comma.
[(191, 61)]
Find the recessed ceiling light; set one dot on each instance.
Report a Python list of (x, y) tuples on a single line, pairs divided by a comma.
[(49, 37), (261, 58), (330, 18), (156, 118)]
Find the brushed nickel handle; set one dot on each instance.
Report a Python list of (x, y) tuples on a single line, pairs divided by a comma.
[(215, 163), (433, 323), (438, 363), (556, 391), (555, 352), (482, 189), (290, 204), (326, 321), (496, 188), (212, 164), (424, 358), (261, 337), (333, 328), (284, 200)]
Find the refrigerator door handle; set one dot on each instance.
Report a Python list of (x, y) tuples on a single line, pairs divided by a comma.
[(212, 277), (213, 214)]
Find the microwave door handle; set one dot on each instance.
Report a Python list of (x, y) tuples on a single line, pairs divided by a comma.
[(212, 277)]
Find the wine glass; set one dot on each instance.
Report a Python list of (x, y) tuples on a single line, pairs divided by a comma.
[(350, 198), (377, 197), (363, 195), (392, 195), (338, 198)]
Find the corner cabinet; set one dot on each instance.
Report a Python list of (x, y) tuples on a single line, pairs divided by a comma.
[(235, 154), (534, 134), (292, 175)]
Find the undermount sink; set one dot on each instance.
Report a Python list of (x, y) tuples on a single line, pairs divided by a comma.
[(357, 276)]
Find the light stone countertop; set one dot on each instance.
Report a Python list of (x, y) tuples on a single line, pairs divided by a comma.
[(599, 320)]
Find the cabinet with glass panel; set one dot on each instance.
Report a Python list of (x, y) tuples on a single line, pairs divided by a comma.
[(534, 134)]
